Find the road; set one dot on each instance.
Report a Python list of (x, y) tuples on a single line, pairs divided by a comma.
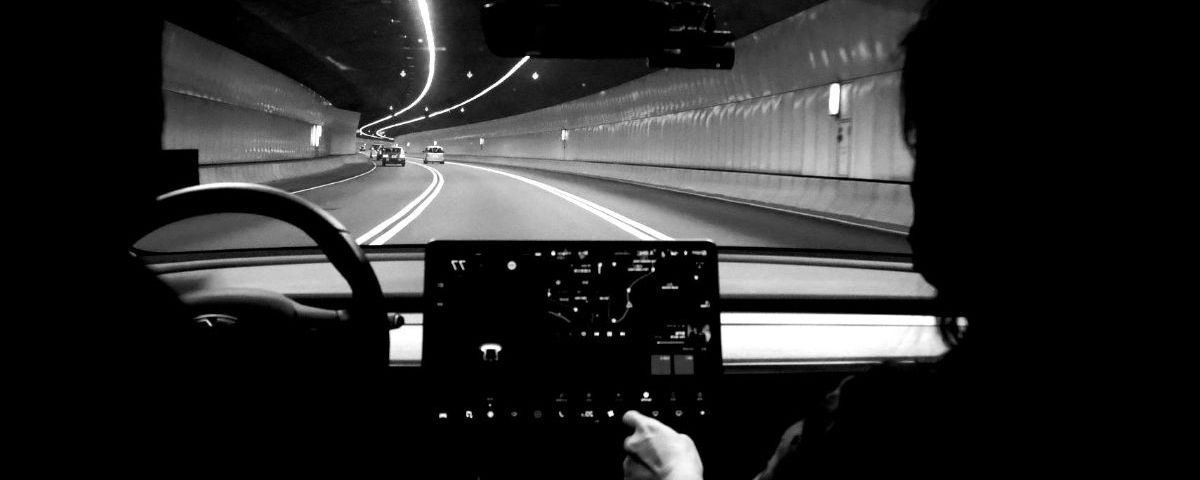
[(418, 203)]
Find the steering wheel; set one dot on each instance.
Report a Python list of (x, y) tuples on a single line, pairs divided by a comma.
[(254, 320)]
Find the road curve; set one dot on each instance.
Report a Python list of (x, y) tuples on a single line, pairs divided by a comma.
[(464, 201)]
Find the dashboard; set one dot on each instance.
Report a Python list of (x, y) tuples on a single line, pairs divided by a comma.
[(516, 331), (571, 332), (779, 311)]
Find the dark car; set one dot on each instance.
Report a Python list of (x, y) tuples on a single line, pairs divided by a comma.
[(392, 156)]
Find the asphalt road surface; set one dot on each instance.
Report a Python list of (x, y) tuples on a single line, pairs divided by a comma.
[(417, 203)]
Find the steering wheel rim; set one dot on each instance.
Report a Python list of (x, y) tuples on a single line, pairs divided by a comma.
[(367, 324)]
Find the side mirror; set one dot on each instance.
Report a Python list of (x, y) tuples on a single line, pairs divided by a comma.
[(680, 34)]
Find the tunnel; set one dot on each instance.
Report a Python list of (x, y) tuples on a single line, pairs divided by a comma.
[(754, 225), (799, 145)]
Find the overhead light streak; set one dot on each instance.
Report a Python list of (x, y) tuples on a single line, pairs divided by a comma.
[(481, 93), (406, 122), (489, 88), (427, 20)]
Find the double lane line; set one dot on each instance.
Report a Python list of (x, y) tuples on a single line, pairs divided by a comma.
[(387, 229)]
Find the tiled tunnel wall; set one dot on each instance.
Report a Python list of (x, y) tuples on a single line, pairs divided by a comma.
[(249, 123), (761, 132)]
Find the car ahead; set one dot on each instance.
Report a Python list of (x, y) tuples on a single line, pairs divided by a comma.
[(435, 154), (392, 156)]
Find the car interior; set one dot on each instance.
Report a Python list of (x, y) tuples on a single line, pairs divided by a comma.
[(478, 358), (490, 335)]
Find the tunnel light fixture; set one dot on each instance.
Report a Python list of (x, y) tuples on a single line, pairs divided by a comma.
[(403, 74), (835, 99), (520, 63), (469, 74), (481, 141), (427, 20), (535, 75), (564, 134), (314, 136)]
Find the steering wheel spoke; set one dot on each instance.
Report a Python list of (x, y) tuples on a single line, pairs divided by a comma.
[(356, 337)]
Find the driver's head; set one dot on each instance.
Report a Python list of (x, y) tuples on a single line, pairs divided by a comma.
[(967, 117)]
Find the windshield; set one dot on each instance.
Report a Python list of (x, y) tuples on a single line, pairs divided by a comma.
[(797, 146)]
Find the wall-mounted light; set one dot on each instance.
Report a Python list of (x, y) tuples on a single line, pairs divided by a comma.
[(462, 110), (835, 99), (314, 136), (481, 141), (534, 76), (435, 142), (403, 74), (408, 144), (469, 74), (564, 134)]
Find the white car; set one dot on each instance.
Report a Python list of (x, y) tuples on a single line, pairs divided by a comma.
[(435, 154)]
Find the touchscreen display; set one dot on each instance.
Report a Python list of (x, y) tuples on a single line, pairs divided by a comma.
[(520, 329)]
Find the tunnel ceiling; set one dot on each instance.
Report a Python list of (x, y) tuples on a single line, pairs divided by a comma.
[(353, 51)]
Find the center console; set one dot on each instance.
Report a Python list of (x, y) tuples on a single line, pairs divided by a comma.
[(521, 334)]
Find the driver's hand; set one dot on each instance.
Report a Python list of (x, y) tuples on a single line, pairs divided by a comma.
[(655, 451)]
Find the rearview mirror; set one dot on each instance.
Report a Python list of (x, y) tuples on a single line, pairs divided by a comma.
[(680, 34)]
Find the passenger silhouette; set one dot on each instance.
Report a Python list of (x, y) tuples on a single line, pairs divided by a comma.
[(966, 84)]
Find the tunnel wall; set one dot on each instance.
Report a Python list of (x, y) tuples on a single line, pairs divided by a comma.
[(249, 123), (760, 132)]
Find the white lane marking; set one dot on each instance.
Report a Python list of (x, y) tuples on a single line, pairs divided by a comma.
[(642, 232), (403, 211), (382, 239), (818, 216), (649, 231), (339, 181)]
